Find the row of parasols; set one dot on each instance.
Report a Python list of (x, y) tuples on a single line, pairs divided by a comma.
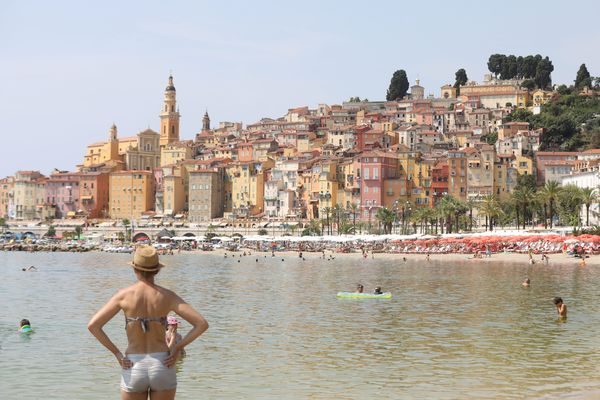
[(515, 243)]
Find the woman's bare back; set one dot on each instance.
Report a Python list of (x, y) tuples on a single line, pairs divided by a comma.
[(146, 308)]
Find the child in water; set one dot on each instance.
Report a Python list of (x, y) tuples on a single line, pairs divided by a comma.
[(560, 307), (172, 337), (25, 326)]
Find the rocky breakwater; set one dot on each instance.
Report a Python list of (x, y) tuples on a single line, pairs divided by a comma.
[(63, 247)]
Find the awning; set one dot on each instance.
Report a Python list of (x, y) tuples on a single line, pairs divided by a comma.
[(223, 224), (179, 216), (145, 216), (87, 197), (157, 216), (168, 212), (71, 214)]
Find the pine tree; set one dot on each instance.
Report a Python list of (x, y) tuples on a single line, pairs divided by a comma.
[(583, 78), (398, 86)]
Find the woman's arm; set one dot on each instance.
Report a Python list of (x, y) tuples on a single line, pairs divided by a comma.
[(199, 326), (105, 314)]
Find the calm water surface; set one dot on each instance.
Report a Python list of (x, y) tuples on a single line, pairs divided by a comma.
[(452, 330)]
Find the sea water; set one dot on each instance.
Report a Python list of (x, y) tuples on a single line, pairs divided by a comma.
[(277, 330)]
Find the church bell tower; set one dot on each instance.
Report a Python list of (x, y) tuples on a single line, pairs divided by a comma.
[(169, 116)]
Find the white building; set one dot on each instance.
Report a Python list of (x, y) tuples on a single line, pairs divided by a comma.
[(586, 180)]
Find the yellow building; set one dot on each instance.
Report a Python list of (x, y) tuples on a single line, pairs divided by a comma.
[(131, 194), (139, 152), (174, 152), (169, 116), (247, 188), (103, 152), (540, 97), (174, 188), (523, 164)]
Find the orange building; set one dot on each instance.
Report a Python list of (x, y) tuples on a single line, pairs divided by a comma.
[(94, 194)]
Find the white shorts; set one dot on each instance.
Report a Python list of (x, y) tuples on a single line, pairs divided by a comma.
[(148, 372)]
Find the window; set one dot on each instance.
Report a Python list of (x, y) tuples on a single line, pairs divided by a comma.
[(366, 173), (375, 173)]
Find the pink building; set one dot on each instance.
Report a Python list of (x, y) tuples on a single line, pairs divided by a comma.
[(375, 167), (62, 192)]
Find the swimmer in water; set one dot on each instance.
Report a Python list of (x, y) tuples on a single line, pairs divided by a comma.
[(427, 257), (378, 290), (32, 268), (560, 307), (404, 259), (582, 262), (359, 288), (25, 326), (526, 282)]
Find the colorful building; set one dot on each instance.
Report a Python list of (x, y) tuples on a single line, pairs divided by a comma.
[(131, 194)]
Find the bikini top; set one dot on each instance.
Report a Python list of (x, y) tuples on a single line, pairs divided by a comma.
[(145, 320)]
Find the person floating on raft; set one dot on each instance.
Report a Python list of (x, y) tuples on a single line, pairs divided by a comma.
[(25, 326)]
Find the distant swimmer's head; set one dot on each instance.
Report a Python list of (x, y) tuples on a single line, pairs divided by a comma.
[(527, 280), (145, 261), (24, 322), (359, 288), (557, 300), (378, 290)]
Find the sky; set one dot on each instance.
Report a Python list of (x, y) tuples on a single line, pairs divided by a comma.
[(69, 69)]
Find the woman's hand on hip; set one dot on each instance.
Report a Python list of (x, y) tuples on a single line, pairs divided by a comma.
[(124, 362), (172, 357)]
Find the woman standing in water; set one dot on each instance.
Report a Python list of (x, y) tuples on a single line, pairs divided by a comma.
[(147, 366)]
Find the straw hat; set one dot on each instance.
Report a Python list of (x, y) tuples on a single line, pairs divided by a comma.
[(146, 259)]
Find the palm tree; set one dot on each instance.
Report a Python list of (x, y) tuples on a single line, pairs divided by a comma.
[(588, 197), (353, 209), (446, 208), (471, 204), (522, 199), (569, 205), (338, 213), (386, 217), (549, 193), (126, 224), (490, 207)]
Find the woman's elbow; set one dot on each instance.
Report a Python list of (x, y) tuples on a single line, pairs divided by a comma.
[(203, 325), (92, 327)]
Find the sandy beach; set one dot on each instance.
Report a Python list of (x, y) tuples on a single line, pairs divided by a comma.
[(555, 259)]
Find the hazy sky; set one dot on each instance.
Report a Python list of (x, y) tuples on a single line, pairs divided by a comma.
[(71, 69)]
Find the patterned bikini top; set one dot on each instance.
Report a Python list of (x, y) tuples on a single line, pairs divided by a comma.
[(145, 320)]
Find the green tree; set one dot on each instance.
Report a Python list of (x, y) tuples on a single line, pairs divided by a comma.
[(528, 84), (3, 224), (522, 198), (460, 79), (529, 66), (509, 68), (386, 217), (588, 197), (549, 195), (398, 86), (353, 209), (569, 205), (490, 208), (262, 232), (78, 231), (126, 224), (51, 231), (583, 78), (496, 63), (543, 73)]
